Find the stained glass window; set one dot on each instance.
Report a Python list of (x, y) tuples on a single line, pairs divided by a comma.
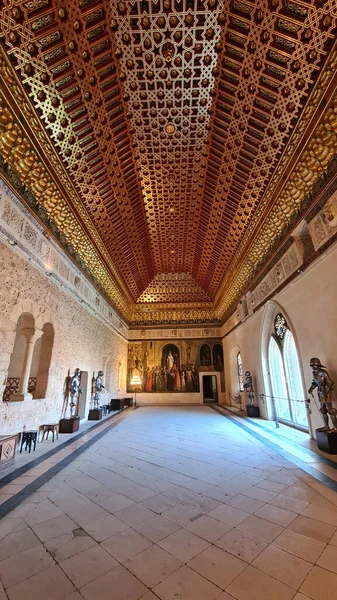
[(240, 371), (280, 326)]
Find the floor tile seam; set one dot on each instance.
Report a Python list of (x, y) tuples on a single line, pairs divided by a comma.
[(18, 498), (312, 453), (34, 463), (315, 473)]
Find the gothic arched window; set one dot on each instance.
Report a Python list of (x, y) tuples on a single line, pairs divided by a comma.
[(240, 371), (285, 375)]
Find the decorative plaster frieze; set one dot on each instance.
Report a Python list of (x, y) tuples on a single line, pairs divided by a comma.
[(288, 264), (324, 225), (19, 229), (178, 333)]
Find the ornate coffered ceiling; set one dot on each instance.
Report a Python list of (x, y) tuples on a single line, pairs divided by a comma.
[(170, 142)]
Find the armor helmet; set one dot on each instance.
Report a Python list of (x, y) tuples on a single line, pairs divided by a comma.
[(316, 363), (100, 374)]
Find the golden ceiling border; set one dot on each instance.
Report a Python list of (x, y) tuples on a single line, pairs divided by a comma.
[(56, 178), (291, 183)]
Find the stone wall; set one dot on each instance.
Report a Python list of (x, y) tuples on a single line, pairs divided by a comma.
[(81, 340)]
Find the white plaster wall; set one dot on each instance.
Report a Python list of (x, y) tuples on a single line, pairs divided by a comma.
[(309, 302), (81, 339)]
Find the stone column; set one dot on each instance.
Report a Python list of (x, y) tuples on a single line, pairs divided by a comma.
[(31, 335)]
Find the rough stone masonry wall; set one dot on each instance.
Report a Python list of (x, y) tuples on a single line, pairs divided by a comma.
[(81, 340)]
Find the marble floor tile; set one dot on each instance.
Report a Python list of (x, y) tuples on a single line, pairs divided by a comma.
[(260, 528), (159, 504), (217, 566), (207, 528), (246, 503), (318, 530), (153, 565), (18, 542), (183, 544), (155, 491), (333, 540), (181, 514), (241, 545), (23, 565), (320, 584), (259, 494), (272, 486), (54, 580), (148, 596), (69, 544), (300, 545), (157, 528), (293, 491), (44, 512), (293, 504), (276, 515), (88, 565), (228, 514), (253, 584), (103, 528), (325, 515), (187, 585), (180, 494), (328, 559), (117, 584), (285, 567), (218, 493), (132, 515), (54, 527), (125, 545)]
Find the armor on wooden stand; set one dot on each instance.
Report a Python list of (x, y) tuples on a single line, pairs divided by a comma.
[(323, 383), (248, 387)]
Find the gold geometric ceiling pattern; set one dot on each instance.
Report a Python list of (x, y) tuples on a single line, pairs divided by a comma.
[(170, 119), (173, 286)]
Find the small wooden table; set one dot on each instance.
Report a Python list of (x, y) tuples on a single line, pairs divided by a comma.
[(49, 427), (28, 438)]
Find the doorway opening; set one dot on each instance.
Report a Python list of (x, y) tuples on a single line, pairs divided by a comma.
[(210, 389)]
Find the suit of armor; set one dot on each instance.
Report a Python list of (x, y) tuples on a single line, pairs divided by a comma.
[(248, 387), (323, 383), (98, 388), (75, 391)]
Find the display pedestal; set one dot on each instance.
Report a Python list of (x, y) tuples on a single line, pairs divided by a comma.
[(128, 401), (69, 425), (252, 411), (327, 440), (95, 414), (117, 403)]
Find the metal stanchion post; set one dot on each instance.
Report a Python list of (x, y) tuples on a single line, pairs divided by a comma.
[(277, 423)]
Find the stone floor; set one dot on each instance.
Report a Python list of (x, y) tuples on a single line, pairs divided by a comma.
[(173, 503)]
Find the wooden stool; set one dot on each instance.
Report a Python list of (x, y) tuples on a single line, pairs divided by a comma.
[(46, 428), (28, 437)]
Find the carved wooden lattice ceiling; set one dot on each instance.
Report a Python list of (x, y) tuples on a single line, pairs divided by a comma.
[(170, 117)]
